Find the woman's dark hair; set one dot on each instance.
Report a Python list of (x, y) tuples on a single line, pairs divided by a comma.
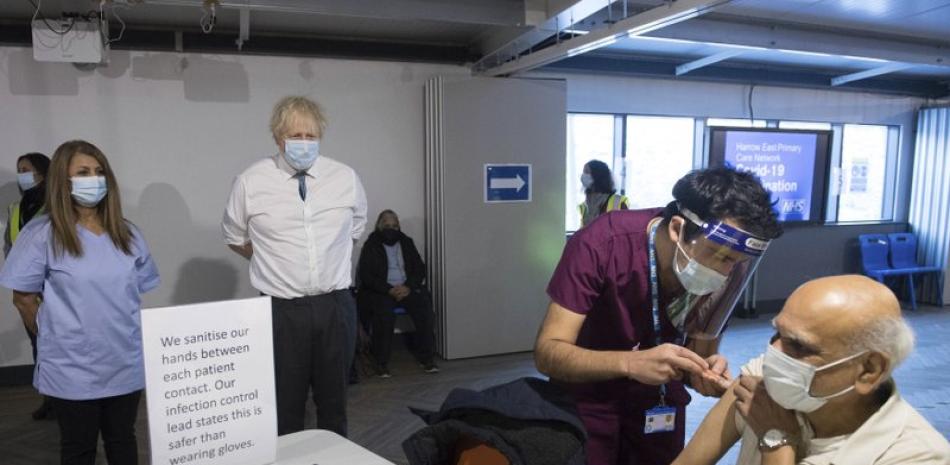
[(34, 198), (603, 179), (62, 211), (39, 161), (716, 194)]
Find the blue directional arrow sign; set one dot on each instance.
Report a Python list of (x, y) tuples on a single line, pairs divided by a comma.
[(507, 183)]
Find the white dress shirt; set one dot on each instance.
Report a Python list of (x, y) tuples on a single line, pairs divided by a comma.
[(301, 248), (895, 434)]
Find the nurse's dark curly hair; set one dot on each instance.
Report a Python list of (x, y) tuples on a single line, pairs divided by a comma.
[(716, 194)]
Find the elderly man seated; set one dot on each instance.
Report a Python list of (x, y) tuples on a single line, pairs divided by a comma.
[(822, 392)]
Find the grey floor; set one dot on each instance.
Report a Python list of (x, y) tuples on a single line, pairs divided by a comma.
[(380, 420)]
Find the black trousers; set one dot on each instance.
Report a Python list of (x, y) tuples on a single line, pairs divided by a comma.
[(379, 307), (81, 421), (314, 340)]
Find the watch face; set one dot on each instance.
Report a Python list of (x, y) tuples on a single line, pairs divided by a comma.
[(773, 437)]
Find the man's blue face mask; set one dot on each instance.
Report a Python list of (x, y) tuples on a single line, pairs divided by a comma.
[(301, 153)]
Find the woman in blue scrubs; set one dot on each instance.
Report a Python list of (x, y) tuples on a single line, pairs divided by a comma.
[(77, 276)]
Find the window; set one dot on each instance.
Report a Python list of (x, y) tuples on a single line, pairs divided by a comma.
[(648, 154), (659, 151), (589, 137), (737, 122), (863, 168), (804, 125)]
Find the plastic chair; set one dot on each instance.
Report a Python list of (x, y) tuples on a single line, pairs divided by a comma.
[(903, 256), (403, 322), (874, 251)]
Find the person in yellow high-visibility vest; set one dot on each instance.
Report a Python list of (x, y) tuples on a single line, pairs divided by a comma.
[(600, 195), (31, 179)]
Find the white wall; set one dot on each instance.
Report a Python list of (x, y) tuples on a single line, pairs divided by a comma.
[(177, 129)]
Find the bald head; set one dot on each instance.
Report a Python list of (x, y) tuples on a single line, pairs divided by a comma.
[(841, 315), (840, 303)]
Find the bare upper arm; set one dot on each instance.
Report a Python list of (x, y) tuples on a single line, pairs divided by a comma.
[(715, 435), (25, 297)]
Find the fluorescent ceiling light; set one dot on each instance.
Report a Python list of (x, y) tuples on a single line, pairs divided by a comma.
[(650, 27), (744, 47), (606, 41), (577, 32), (806, 53), (757, 49), (665, 40)]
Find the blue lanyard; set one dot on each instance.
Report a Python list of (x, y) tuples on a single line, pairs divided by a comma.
[(655, 298)]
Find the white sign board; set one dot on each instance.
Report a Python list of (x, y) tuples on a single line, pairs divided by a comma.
[(209, 376)]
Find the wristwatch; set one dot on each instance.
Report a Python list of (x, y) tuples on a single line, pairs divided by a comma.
[(773, 439)]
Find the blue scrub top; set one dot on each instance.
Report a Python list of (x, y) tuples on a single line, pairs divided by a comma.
[(90, 343)]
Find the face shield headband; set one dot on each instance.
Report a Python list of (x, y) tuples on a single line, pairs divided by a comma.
[(729, 236)]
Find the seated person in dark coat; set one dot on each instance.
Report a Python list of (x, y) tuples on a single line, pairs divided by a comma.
[(392, 275)]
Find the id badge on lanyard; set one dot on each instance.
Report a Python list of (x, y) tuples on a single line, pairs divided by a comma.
[(659, 419), (662, 418)]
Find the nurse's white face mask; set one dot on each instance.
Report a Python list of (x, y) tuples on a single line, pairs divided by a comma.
[(788, 381), (696, 278)]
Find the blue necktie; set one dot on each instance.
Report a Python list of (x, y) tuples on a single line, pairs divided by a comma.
[(302, 184)]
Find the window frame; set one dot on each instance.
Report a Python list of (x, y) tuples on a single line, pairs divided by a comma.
[(701, 159)]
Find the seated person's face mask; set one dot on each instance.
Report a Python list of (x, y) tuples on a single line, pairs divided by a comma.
[(788, 381), (390, 236)]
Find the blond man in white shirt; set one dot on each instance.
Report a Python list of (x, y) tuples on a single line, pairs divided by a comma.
[(822, 393), (296, 215)]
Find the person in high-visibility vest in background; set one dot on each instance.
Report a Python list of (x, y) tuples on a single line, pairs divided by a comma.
[(600, 195), (31, 178)]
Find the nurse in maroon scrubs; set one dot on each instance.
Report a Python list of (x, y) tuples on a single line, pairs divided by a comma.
[(638, 304)]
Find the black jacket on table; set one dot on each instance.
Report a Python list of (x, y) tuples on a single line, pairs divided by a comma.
[(373, 267), (531, 421)]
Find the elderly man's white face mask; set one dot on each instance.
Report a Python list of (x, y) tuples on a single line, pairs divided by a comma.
[(788, 381)]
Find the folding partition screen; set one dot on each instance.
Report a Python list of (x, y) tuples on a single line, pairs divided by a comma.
[(930, 198), (495, 167)]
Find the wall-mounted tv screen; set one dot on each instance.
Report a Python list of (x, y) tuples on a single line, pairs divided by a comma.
[(793, 166)]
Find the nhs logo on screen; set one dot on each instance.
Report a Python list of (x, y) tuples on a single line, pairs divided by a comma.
[(793, 209)]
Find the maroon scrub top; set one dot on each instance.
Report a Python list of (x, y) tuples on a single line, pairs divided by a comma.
[(604, 274)]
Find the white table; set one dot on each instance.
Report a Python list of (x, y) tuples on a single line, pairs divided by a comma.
[(322, 447)]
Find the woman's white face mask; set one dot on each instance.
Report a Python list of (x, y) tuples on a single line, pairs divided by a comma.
[(788, 381), (587, 180)]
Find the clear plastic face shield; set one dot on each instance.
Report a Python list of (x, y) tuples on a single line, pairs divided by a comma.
[(714, 267)]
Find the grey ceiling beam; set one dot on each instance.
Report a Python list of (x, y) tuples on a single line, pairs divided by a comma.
[(650, 67), (482, 12), (504, 44), (788, 37), (710, 60), (641, 23), (879, 71)]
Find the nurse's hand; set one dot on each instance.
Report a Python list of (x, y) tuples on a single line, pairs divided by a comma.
[(663, 364), (716, 380)]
